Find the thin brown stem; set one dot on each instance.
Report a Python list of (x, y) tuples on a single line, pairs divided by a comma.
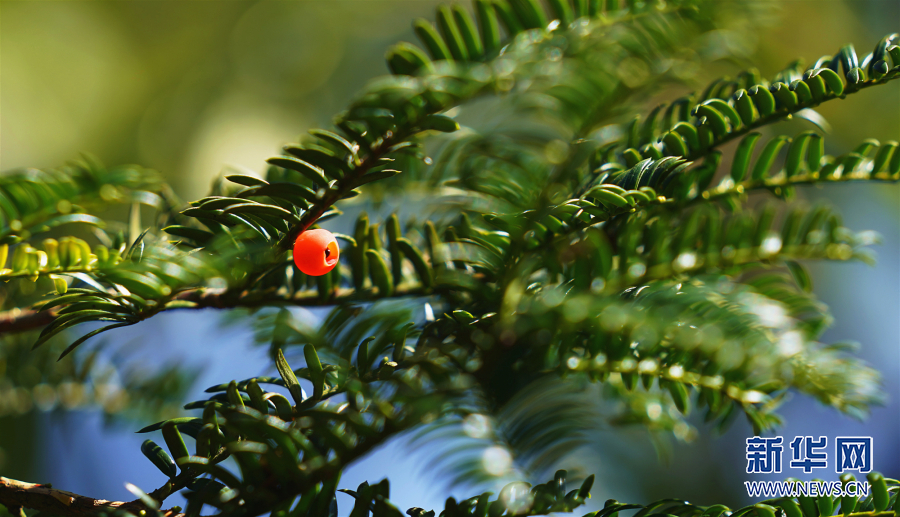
[(16, 495), (20, 320)]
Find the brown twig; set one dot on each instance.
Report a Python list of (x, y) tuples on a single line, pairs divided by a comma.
[(19, 320), (16, 495)]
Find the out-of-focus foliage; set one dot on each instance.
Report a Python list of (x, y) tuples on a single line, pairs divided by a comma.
[(33, 379)]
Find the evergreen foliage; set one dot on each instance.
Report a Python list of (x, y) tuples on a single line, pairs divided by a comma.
[(598, 245)]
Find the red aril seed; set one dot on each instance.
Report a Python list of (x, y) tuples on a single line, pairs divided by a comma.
[(316, 252)]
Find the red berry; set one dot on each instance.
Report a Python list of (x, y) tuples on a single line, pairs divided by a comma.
[(316, 252)]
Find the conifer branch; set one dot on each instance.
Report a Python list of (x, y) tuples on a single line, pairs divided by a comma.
[(784, 112), (20, 320), (346, 184), (646, 274)]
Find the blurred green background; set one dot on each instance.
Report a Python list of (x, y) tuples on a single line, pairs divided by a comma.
[(189, 88), (197, 88)]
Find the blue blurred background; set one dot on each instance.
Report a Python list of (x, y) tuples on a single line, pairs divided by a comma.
[(195, 89)]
